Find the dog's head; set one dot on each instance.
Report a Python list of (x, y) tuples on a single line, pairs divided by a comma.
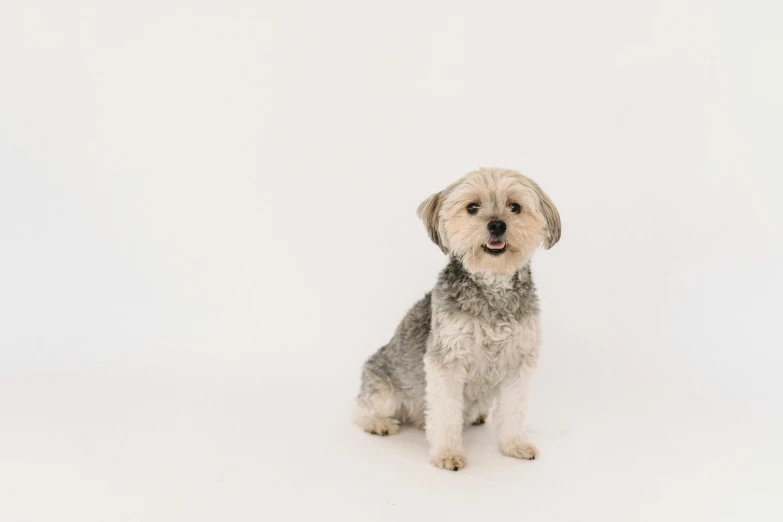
[(492, 220)]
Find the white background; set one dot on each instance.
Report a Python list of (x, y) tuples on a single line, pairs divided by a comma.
[(207, 223)]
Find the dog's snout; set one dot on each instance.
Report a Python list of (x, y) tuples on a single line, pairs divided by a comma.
[(497, 227)]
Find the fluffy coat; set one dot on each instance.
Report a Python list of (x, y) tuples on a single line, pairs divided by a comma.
[(472, 343)]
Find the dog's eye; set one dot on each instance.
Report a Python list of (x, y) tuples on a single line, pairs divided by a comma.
[(515, 208), (473, 208)]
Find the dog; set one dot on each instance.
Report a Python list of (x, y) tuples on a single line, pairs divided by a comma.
[(472, 343)]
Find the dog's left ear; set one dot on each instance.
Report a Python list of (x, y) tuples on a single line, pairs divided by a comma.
[(429, 212), (552, 217)]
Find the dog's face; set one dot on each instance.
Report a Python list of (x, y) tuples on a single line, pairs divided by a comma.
[(492, 220)]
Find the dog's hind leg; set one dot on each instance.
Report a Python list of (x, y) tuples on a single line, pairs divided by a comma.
[(377, 406), (476, 412)]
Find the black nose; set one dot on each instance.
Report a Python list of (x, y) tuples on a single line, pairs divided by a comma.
[(497, 227)]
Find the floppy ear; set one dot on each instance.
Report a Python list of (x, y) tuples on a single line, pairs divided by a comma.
[(429, 211), (552, 217)]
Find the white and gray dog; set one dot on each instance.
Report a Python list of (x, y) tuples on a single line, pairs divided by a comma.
[(472, 343)]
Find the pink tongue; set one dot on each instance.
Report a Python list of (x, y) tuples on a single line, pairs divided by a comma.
[(496, 245)]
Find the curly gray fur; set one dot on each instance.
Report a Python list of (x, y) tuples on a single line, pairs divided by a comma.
[(399, 365)]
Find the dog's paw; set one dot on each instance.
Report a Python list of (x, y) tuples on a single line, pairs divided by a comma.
[(381, 426), (519, 449), (450, 459)]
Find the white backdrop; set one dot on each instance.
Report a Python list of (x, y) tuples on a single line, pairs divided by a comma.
[(207, 222)]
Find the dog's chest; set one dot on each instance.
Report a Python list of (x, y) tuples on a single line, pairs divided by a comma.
[(489, 350)]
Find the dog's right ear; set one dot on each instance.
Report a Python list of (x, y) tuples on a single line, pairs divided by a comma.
[(552, 217), (429, 212)]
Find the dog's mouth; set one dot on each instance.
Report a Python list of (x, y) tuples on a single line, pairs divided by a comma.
[(495, 247)]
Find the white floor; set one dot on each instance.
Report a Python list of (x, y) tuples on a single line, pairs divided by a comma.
[(278, 445)]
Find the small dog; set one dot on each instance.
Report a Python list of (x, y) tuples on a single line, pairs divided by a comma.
[(473, 341)]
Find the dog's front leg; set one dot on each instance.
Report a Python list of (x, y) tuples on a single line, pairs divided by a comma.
[(509, 415), (445, 384)]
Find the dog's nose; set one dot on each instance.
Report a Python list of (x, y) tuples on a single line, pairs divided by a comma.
[(497, 227)]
